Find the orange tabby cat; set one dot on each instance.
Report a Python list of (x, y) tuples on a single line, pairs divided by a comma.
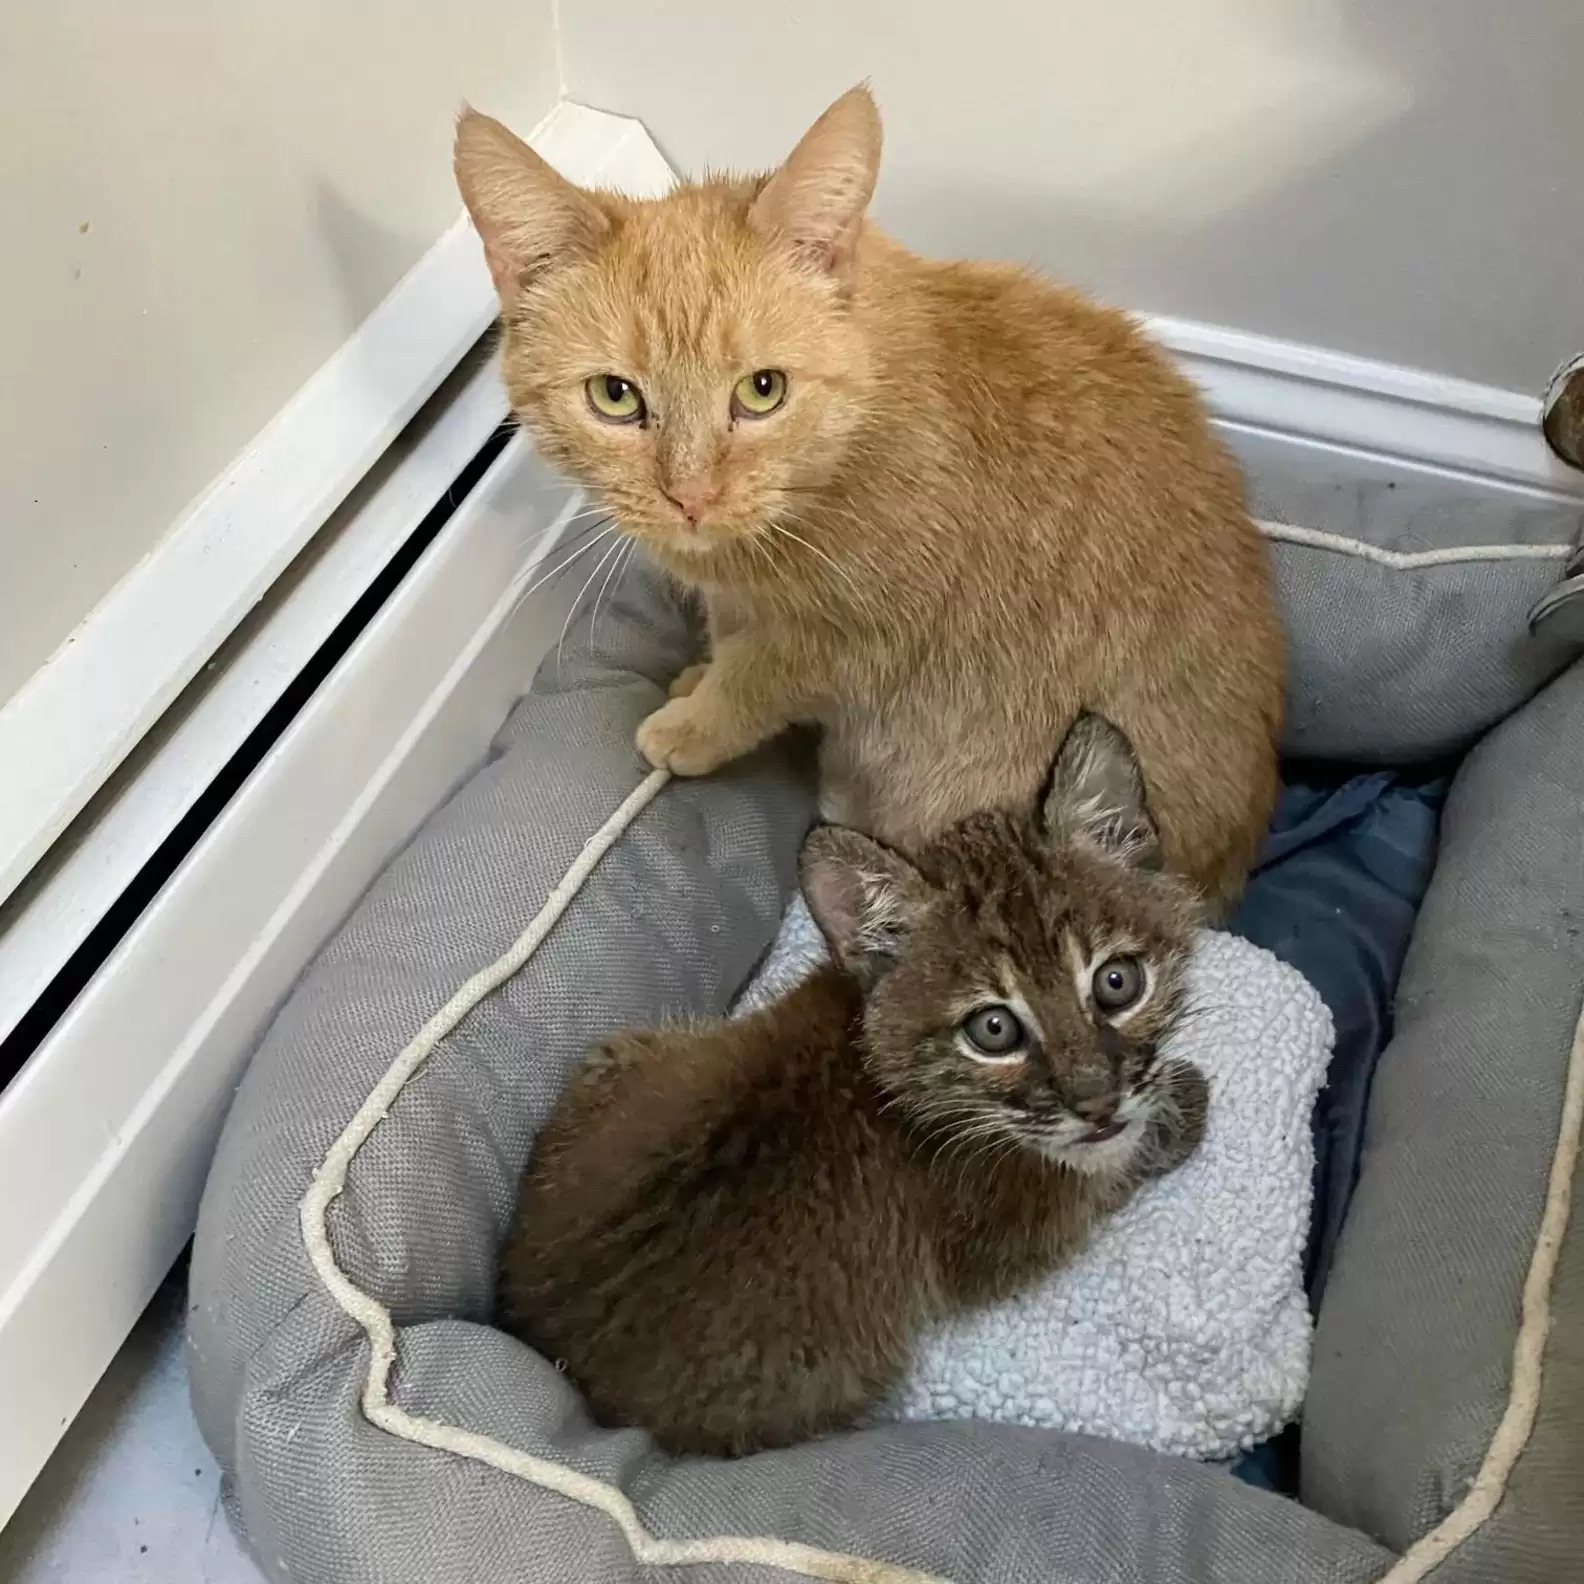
[(934, 508)]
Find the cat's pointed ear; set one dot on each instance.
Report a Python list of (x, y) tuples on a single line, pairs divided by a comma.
[(863, 896), (528, 216), (1095, 795), (815, 202)]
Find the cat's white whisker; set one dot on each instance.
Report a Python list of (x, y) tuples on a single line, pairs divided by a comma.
[(555, 571), (758, 543), (611, 572), (562, 525), (607, 555), (985, 1145), (618, 570), (830, 561)]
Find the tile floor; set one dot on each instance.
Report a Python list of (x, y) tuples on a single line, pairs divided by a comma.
[(132, 1495)]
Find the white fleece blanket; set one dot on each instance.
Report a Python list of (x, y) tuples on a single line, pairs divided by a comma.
[(1183, 1325)]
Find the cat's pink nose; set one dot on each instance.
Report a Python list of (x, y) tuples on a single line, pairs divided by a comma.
[(694, 497)]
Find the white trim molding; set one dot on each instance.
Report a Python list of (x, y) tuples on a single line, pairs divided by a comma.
[(81, 713), (65, 895), (1419, 421)]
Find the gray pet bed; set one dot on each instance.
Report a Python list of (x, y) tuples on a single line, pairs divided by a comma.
[(372, 1426)]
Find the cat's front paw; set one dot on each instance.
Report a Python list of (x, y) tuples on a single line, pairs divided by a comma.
[(1179, 1122), (686, 739), (689, 679)]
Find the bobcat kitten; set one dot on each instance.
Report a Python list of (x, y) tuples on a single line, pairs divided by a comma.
[(935, 508), (732, 1233)]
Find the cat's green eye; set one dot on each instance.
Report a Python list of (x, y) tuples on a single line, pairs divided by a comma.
[(1117, 983), (994, 1031), (757, 395), (614, 399)]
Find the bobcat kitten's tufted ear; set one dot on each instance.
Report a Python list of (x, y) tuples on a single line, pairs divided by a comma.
[(863, 896), (815, 202), (529, 217), (1095, 795)]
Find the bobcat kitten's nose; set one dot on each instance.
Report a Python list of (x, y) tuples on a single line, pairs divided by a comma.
[(1097, 1111)]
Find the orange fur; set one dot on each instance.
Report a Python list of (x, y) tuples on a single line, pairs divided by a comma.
[(984, 504)]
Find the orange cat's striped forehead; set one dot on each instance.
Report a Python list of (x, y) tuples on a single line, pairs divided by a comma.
[(682, 287)]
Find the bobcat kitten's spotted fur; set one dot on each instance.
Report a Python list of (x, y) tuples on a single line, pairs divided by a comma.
[(732, 1233)]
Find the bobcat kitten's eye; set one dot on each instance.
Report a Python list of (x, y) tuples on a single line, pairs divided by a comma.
[(614, 399), (1117, 983), (757, 395), (995, 1031)]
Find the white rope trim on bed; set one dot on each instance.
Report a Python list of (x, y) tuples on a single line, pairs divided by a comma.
[(1528, 1367), (1411, 560), (329, 1181)]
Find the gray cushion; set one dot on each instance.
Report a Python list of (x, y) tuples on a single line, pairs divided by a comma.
[(674, 918), (1534, 1535), (1397, 663), (1413, 1350)]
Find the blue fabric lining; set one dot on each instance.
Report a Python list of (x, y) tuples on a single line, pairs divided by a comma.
[(1335, 892)]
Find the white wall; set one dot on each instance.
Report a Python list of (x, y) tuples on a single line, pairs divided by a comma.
[(1402, 179), (201, 199)]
